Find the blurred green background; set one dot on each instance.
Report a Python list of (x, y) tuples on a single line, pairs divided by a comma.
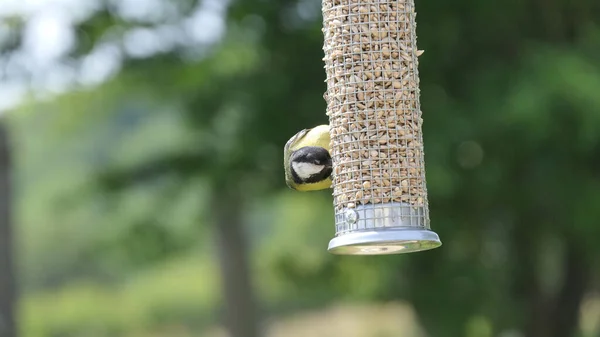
[(143, 140)]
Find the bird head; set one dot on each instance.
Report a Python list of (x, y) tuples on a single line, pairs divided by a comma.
[(310, 164)]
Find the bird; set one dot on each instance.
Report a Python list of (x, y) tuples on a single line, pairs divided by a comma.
[(307, 160)]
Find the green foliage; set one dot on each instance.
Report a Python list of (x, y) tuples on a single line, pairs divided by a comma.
[(168, 295), (114, 182)]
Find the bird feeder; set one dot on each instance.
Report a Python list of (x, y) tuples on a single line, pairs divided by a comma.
[(379, 187)]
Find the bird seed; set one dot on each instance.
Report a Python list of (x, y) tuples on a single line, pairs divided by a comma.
[(371, 62)]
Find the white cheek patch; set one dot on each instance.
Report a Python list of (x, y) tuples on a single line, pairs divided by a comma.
[(305, 170)]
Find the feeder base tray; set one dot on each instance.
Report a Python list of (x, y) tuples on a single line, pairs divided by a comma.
[(384, 241)]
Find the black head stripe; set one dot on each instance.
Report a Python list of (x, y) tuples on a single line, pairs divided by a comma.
[(312, 154)]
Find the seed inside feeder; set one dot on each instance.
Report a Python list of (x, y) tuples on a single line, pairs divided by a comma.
[(371, 66)]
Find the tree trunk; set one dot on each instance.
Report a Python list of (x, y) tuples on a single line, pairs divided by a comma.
[(577, 270), (557, 316), (7, 284), (535, 305), (240, 307)]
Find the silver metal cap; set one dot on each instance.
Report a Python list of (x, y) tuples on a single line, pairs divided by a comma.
[(378, 229)]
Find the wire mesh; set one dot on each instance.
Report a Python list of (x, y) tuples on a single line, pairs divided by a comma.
[(371, 63)]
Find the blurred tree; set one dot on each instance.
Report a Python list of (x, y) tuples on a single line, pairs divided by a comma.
[(512, 136), (238, 124), (8, 289), (242, 315)]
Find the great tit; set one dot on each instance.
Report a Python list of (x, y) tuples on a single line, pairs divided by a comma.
[(307, 160)]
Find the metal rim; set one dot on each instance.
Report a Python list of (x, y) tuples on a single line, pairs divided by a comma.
[(384, 241)]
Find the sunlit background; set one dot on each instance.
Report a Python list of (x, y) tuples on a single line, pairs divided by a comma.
[(144, 143)]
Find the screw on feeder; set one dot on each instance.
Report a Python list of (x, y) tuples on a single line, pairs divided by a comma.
[(351, 216), (379, 187)]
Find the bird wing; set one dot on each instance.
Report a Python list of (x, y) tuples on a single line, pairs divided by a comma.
[(317, 136), (289, 146)]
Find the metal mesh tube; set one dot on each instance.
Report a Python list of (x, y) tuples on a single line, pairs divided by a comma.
[(371, 63)]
